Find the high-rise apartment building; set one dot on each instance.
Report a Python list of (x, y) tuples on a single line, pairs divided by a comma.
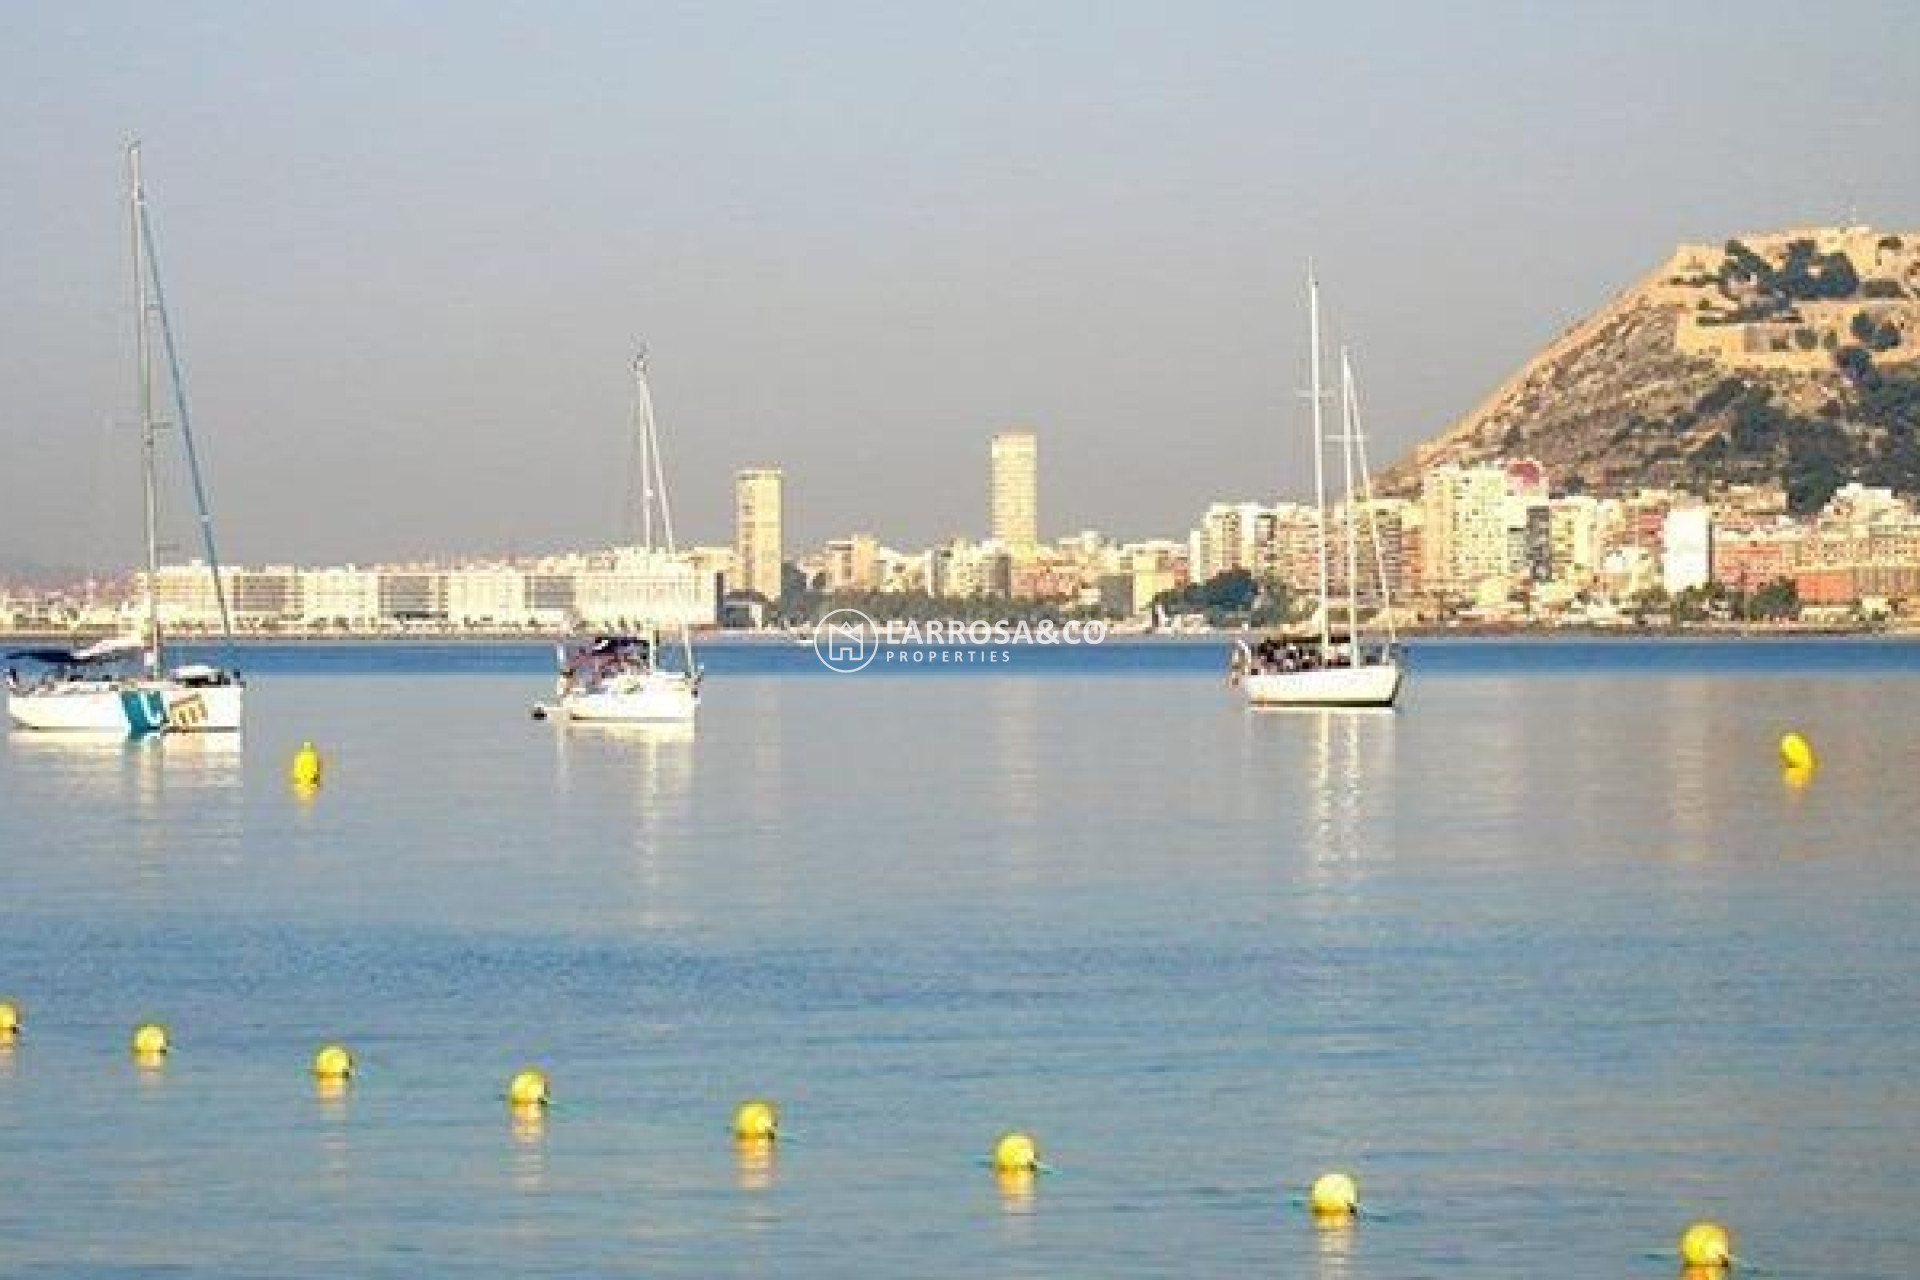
[(1465, 536), (1015, 490), (756, 531)]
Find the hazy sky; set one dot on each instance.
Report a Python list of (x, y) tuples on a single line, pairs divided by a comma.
[(411, 246)]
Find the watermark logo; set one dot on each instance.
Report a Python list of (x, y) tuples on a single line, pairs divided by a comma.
[(848, 640)]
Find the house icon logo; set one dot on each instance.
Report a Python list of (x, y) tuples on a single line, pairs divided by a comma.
[(845, 640)]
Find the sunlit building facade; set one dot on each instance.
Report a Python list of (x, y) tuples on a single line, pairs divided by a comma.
[(1015, 490), (757, 531)]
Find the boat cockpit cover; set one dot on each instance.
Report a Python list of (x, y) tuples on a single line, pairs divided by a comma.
[(110, 648), (47, 657)]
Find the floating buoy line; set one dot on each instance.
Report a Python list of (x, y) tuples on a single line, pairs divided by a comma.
[(1705, 1248)]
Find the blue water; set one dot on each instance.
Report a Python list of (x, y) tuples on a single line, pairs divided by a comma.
[(1535, 655), (1553, 959)]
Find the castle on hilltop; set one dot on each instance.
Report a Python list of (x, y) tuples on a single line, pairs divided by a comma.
[(1789, 300)]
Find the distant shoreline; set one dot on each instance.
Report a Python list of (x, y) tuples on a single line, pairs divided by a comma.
[(1501, 631)]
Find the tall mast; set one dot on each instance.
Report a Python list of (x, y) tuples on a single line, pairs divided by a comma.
[(136, 217), (150, 304), (1348, 428), (654, 484), (183, 420), (1319, 449), (643, 432)]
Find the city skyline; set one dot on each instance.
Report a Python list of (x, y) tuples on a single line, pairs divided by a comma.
[(1489, 541), (418, 291)]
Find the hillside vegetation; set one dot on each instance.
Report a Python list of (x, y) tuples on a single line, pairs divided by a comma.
[(1790, 358)]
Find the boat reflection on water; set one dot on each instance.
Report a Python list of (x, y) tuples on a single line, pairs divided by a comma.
[(636, 731), (659, 755), (104, 765), (646, 768), (1342, 762), (161, 783)]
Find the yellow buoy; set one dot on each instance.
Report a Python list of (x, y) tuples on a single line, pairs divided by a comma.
[(10, 1022), (150, 1040), (1015, 1153), (1796, 752), (756, 1120), (528, 1089), (1334, 1193), (305, 771), (333, 1062), (1706, 1244)]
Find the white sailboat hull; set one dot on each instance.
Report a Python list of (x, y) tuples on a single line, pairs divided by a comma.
[(654, 697), (131, 707), (1364, 686)]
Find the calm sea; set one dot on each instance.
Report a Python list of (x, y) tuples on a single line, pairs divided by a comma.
[(1552, 959)]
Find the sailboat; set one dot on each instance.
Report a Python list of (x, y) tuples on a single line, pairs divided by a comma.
[(123, 684), (644, 677), (1322, 666)]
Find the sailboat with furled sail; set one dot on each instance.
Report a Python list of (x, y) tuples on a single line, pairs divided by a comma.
[(123, 684), (1333, 662), (646, 676)]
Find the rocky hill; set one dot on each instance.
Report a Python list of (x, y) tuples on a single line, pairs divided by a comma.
[(1787, 357)]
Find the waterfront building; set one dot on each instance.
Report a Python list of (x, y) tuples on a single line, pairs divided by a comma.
[(1044, 574), (1151, 568), (1268, 542), (1465, 528), (1644, 522), (962, 569), (757, 532), (634, 587), (904, 571), (1380, 545), (1627, 571), (345, 597), (852, 563), (551, 594), (1014, 491), (413, 596), (1573, 540), (1686, 540), (1751, 556), (185, 594), (1413, 546), (267, 597), (1292, 553), (1221, 542), (487, 595)]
